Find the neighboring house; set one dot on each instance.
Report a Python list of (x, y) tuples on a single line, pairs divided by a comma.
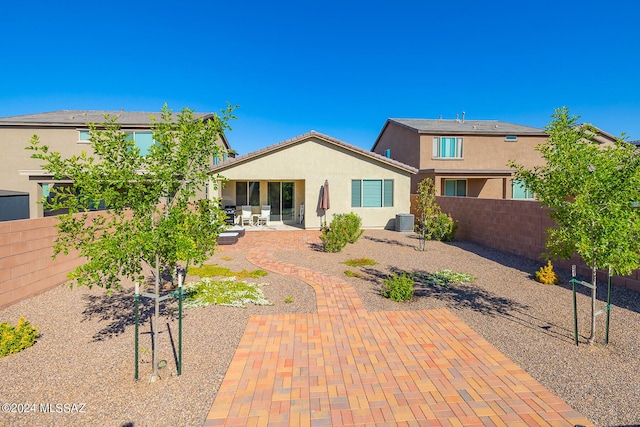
[(64, 131), (463, 157), (288, 176), (467, 158)]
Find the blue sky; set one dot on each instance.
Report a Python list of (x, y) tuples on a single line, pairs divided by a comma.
[(337, 67)]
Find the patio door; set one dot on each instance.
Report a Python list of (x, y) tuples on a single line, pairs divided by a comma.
[(280, 196)]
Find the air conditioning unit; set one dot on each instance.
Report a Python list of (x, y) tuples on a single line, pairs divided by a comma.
[(404, 222)]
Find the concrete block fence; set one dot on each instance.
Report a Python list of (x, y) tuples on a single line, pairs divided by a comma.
[(515, 226), (26, 266)]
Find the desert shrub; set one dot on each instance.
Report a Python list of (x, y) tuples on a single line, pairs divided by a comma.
[(344, 228), (398, 288), (546, 275), (350, 273), (444, 227), (14, 339), (213, 270), (353, 226), (359, 262), (443, 278), (227, 291)]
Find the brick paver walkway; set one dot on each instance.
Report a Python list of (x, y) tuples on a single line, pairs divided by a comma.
[(345, 366)]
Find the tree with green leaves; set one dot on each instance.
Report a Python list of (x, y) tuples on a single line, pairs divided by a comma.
[(153, 219), (431, 222), (592, 190)]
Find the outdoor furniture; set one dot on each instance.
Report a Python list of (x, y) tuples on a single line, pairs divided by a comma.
[(227, 238), (236, 229), (245, 217), (263, 218)]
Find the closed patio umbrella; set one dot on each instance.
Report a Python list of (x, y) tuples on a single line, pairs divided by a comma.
[(324, 200)]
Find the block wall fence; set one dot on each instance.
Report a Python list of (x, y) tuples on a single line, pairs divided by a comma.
[(26, 266), (515, 226)]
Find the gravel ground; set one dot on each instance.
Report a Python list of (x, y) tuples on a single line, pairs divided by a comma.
[(84, 355)]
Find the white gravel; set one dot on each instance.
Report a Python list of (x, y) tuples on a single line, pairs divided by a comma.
[(84, 355)]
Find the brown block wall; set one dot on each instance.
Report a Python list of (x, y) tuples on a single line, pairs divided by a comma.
[(515, 226), (26, 266)]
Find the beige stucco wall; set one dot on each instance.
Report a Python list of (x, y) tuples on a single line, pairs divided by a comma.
[(17, 161), (15, 158), (403, 142), (484, 152), (312, 161)]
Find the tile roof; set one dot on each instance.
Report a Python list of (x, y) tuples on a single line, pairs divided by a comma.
[(313, 134), (82, 117), (468, 126)]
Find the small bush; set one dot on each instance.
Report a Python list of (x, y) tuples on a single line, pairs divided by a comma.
[(546, 275), (359, 262), (14, 339), (444, 278), (398, 288), (444, 228), (227, 291), (213, 270), (344, 228), (350, 273)]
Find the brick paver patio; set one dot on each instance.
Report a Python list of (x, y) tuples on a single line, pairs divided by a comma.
[(345, 366)]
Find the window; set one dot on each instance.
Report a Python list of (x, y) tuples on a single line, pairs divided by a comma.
[(247, 193), (52, 190), (447, 147), (143, 140), (511, 138), (455, 187), (520, 191), (84, 136), (371, 193)]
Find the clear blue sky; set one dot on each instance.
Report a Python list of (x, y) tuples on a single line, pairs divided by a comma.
[(338, 67)]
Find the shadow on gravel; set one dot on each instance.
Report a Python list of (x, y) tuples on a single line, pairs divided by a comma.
[(118, 311), (390, 241), (469, 297)]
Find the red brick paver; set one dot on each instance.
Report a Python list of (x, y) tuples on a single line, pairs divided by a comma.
[(345, 366)]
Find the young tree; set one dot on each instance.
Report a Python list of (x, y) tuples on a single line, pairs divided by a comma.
[(152, 218), (428, 211), (592, 191)]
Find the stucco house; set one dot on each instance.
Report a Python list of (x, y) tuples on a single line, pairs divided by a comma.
[(289, 175), (466, 158), (463, 157), (65, 131)]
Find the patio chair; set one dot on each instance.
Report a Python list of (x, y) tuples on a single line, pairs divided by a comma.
[(265, 213), (245, 216)]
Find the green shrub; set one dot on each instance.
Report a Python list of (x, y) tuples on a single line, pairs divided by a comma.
[(359, 262), (350, 273), (14, 339), (444, 227), (213, 270), (227, 291), (398, 288), (353, 226), (344, 228)]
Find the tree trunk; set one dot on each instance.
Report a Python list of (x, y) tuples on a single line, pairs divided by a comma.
[(154, 341), (594, 275)]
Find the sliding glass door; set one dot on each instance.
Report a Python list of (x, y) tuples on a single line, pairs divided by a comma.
[(280, 196)]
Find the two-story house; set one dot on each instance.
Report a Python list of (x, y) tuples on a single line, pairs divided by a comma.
[(467, 158), (64, 131), (463, 157)]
